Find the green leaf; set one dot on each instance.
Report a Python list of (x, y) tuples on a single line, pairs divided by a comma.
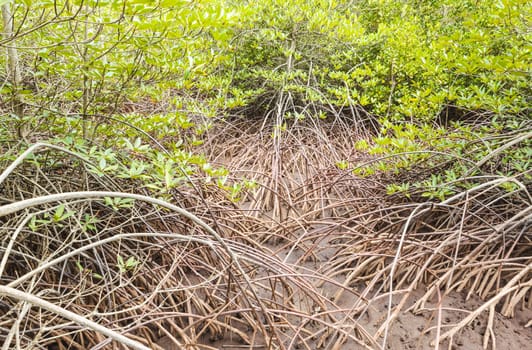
[(59, 212)]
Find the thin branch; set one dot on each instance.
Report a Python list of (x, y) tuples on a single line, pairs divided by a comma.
[(32, 299)]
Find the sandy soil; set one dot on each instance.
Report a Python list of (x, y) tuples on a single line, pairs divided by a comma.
[(413, 331)]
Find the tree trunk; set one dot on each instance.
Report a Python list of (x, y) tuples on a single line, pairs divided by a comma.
[(13, 69)]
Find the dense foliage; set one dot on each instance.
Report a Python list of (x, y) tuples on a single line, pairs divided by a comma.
[(406, 60), (91, 70)]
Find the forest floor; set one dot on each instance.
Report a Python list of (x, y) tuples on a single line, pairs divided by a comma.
[(413, 331), (312, 256), (300, 165)]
